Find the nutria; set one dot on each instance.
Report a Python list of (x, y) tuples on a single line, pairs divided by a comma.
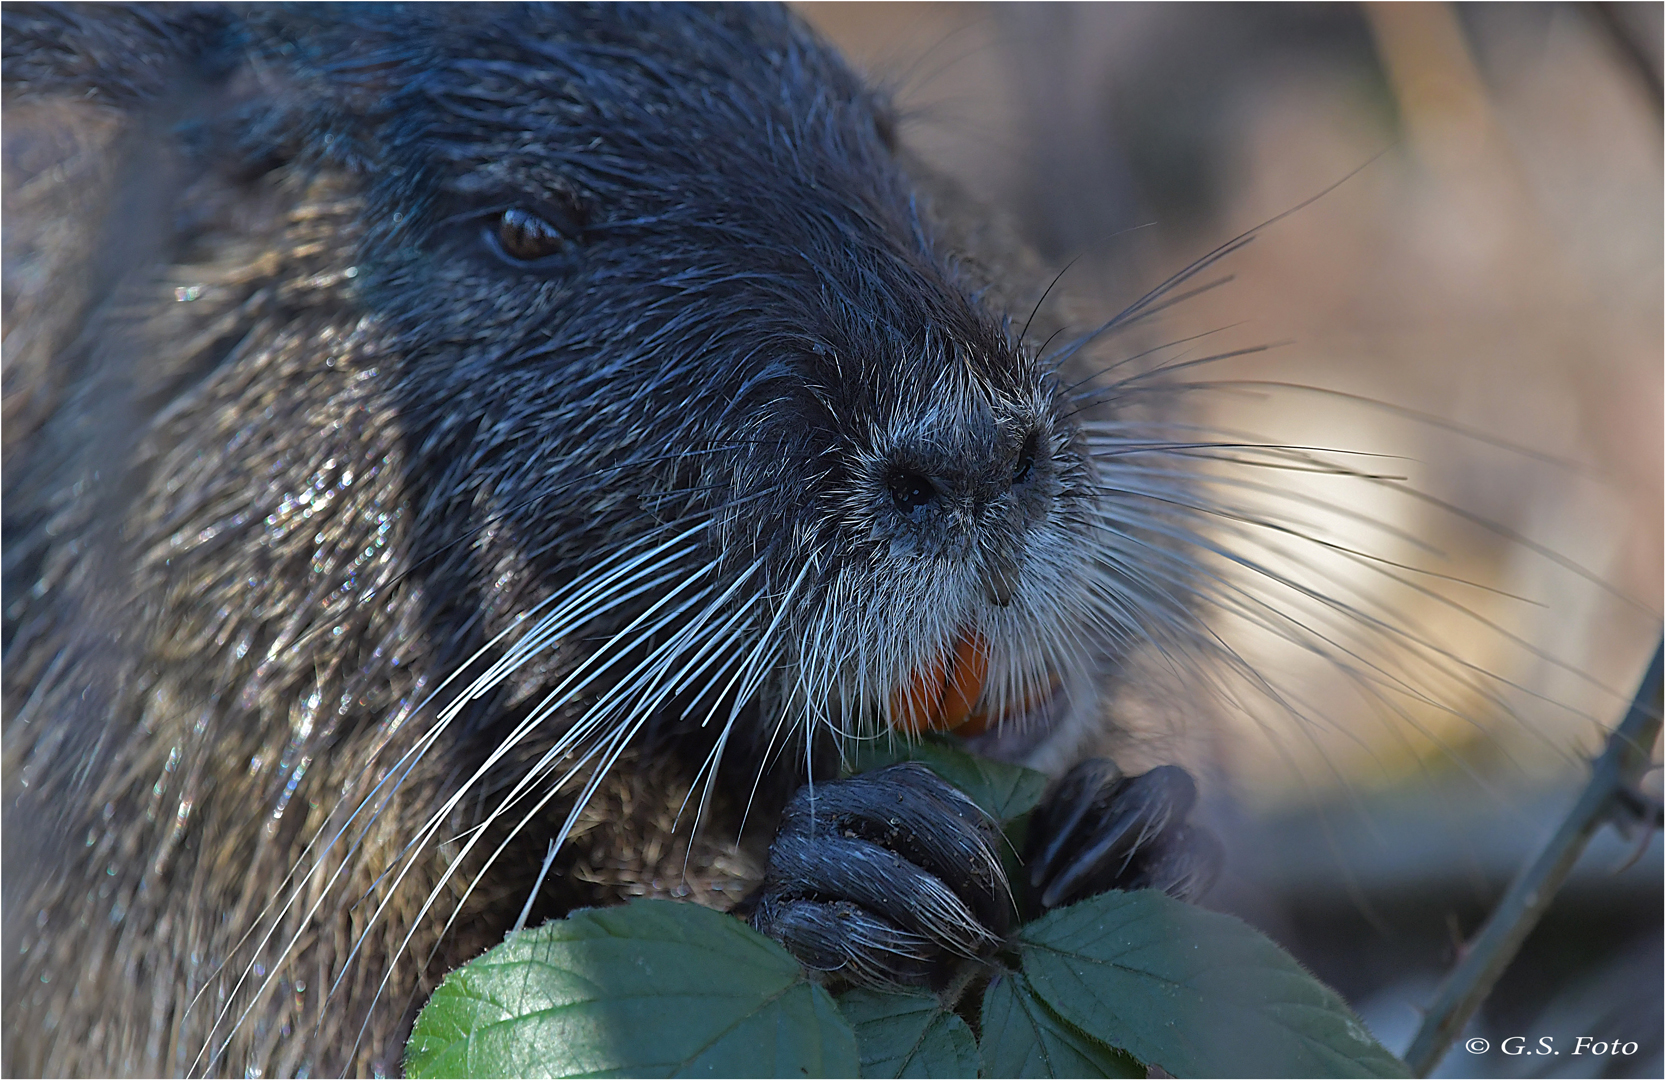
[(434, 433)]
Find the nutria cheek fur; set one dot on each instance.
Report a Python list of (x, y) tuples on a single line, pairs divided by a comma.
[(391, 341)]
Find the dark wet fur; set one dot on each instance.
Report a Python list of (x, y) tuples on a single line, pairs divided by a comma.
[(248, 534)]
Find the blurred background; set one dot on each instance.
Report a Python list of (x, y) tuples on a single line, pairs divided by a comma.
[(1478, 292)]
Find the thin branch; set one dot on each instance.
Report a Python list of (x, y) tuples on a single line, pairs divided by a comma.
[(1607, 797)]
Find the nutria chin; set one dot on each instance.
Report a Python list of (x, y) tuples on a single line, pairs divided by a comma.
[(432, 433)]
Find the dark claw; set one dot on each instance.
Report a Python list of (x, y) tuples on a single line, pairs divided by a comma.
[(1098, 830), (843, 937), (1085, 790), (884, 877)]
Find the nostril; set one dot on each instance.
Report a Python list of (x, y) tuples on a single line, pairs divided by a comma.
[(910, 490)]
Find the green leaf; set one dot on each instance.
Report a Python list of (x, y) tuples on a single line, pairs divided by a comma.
[(1194, 992), (1004, 791), (654, 988), (1023, 1037), (901, 1034)]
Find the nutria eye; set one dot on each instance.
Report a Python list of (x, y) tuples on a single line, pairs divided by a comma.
[(1026, 460), (524, 237), (910, 490)]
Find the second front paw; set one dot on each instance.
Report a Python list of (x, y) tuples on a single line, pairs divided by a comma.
[(1098, 830)]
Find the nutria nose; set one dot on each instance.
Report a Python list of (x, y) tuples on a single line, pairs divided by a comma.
[(970, 503), (975, 474)]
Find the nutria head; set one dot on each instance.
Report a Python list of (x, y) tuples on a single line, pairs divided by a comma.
[(492, 395)]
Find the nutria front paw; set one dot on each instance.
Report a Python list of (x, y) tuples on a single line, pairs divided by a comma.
[(1098, 830), (887, 877)]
